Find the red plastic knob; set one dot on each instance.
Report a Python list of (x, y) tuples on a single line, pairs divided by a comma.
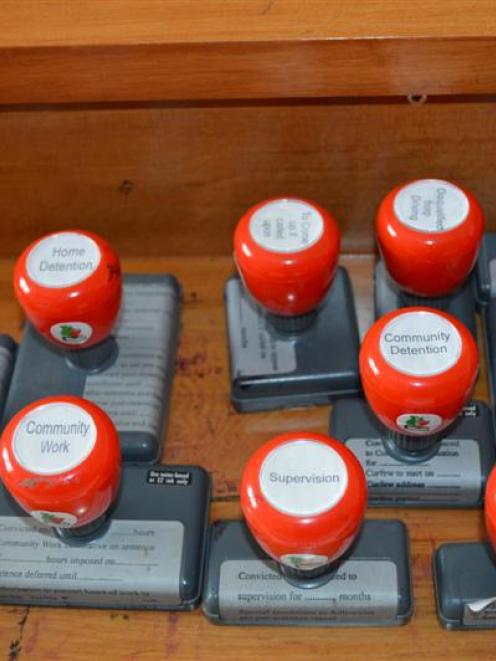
[(304, 496), (418, 368), (429, 233), (60, 460), (490, 507), (69, 285), (286, 251)]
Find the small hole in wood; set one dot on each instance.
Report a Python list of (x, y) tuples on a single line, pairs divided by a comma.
[(416, 99)]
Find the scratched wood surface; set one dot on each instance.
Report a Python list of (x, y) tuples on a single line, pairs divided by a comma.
[(56, 51), (204, 429)]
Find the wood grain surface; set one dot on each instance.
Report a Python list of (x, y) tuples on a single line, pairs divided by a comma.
[(174, 181), (205, 429), (59, 51)]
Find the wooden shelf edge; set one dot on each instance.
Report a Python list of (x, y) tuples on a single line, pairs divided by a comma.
[(321, 68)]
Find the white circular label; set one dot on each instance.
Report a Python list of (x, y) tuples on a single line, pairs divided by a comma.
[(63, 259), (55, 519), (431, 205), (420, 343), (303, 478), (286, 226), (54, 438), (71, 332), (304, 561), (419, 423)]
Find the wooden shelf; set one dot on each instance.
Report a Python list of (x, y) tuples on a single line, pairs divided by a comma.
[(205, 429), (79, 51)]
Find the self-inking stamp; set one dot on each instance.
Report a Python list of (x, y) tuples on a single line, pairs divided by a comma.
[(303, 555), (429, 234), (465, 575), (419, 439), (81, 339), (293, 336), (78, 529)]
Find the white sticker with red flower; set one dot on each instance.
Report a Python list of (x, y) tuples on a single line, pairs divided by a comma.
[(71, 332), (55, 519), (419, 424), (286, 226), (304, 561)]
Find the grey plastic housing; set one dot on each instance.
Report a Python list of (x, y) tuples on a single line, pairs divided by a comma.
[(486, 293), (173, 498), (135, 390), (382, 542), (388, 297), (8, 349), (453, 475), (271, 369), (465, 585)]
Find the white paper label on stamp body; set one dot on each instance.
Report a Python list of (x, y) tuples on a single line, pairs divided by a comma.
[(431, 205), (286, 226), (452, 476), (134, 564), (360, 591), (71, 332), (254, 351), (132, 390), (63, 259), (303, 478), (420, 343), (481, 613), (54, 438)]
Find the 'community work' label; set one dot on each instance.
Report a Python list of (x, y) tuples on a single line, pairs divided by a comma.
[(420, 343), (62, 260), (286, 226), (431, 205), (54, 438)]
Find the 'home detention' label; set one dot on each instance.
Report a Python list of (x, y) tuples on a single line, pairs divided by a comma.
[(62, 260)]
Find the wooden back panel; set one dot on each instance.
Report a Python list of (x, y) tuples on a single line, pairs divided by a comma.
[(174, 180)]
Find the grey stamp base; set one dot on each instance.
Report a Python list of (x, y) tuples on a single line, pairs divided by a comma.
[(8, 349), (453, 476), (465, 585), (151, 557), (274, 370), (135, 390), (486, 291), (370, 587), (388, 297)]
